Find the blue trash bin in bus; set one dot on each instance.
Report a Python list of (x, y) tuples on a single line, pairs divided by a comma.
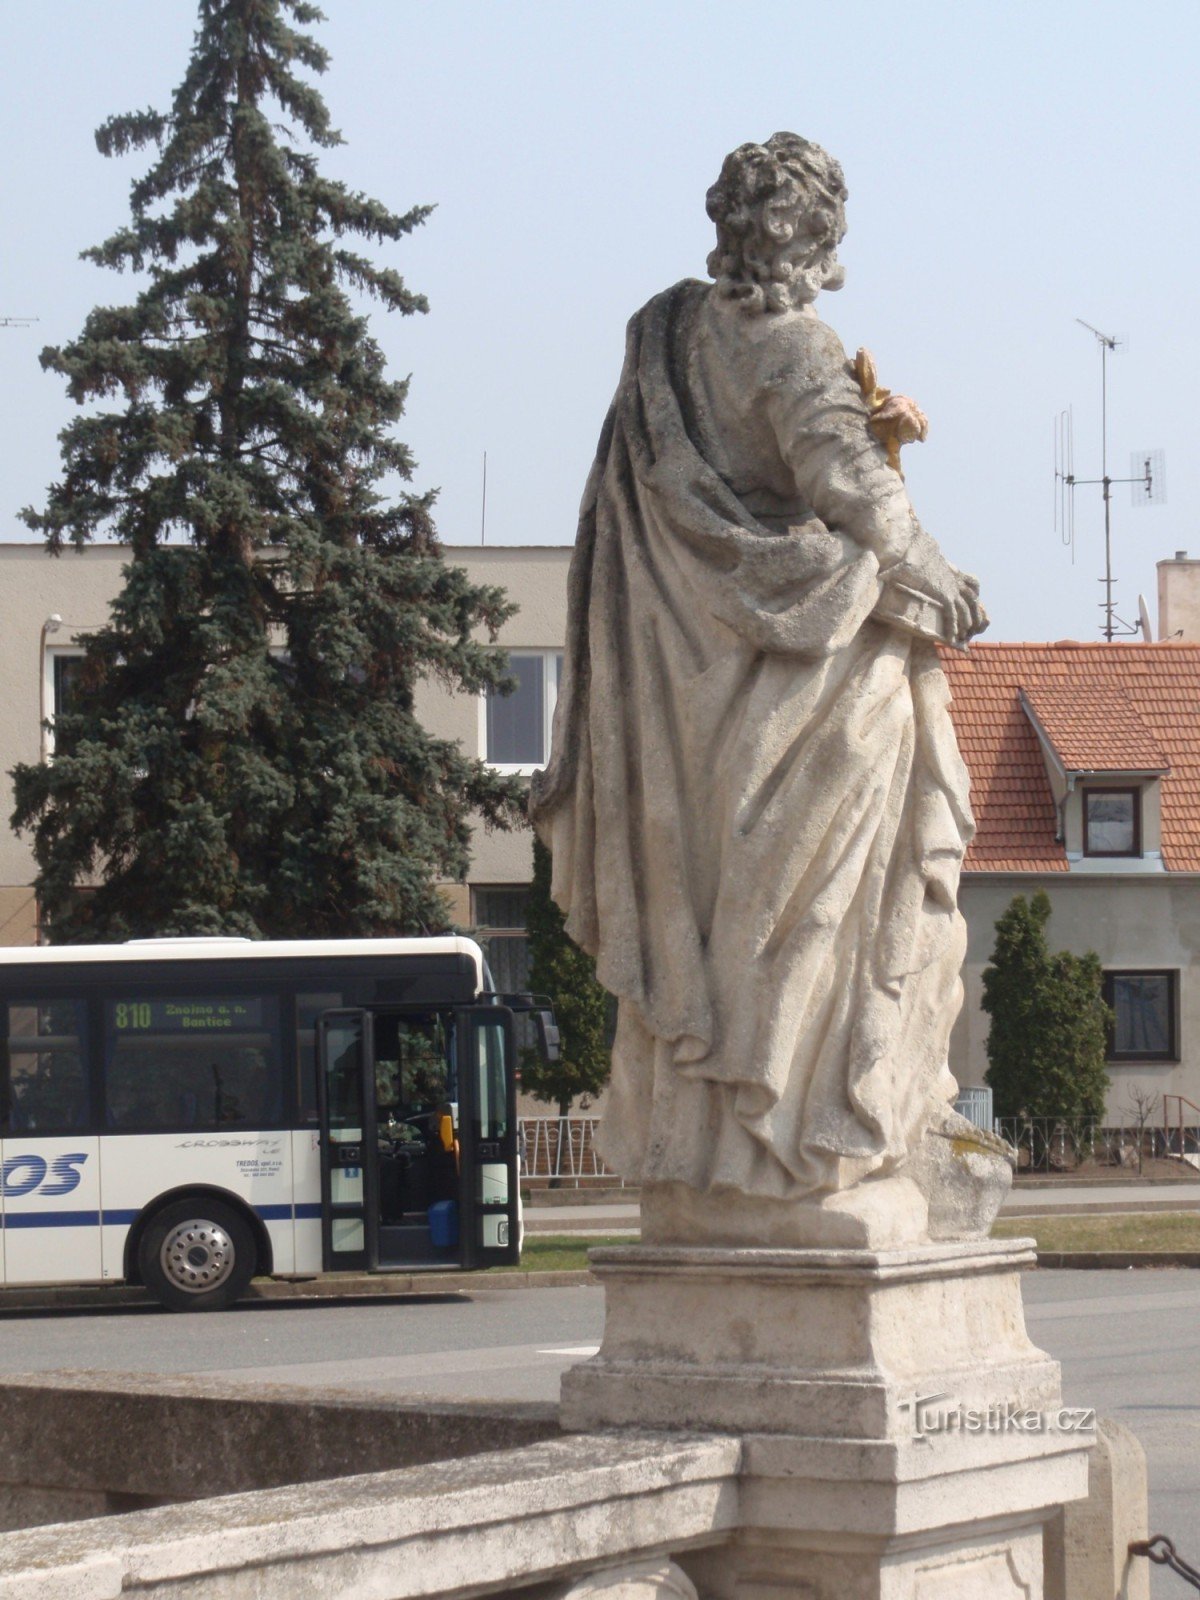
[(443, 1224)]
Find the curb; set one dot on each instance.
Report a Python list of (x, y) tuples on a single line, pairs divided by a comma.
[(1100, 1260), (384, 1288), (351, 1289), (1025, 1209)]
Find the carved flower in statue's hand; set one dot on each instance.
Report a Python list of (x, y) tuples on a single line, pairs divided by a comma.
[(898, 421), (903, 417)]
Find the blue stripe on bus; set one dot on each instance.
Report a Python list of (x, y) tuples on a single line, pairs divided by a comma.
[(308, 1211), (51, 1219)]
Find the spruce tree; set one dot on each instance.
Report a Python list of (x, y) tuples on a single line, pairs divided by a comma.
[(560, 969), (245, 756), (1049, 1023)]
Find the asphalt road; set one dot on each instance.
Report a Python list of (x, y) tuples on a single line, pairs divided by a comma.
[(1129, 1343)]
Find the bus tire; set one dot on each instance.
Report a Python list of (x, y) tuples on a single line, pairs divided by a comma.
[(197, 1255)]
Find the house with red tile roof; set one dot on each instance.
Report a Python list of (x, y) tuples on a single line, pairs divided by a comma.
[(1085, 782)]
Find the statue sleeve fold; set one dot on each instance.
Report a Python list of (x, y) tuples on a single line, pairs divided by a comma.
[(820, 422)]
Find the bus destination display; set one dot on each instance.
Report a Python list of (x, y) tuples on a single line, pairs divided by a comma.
[(187, 1016)]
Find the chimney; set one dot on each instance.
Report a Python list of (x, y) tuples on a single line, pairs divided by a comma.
[(1179, 598)]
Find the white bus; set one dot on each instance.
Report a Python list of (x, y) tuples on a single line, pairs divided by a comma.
[(187, 1113)]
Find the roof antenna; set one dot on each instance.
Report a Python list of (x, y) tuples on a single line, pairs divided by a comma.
[(1148, 477), (483, 509), (18, 322)]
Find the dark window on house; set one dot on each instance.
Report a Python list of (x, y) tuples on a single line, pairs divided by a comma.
[(1146, 1026), (67, 669), (1112, 822), (500, 921)]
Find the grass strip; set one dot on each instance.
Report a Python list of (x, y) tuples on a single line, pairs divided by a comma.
[(1136, 1230), (562, 1252), (1131, 1230)]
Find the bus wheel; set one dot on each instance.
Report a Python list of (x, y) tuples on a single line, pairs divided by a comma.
[(197, 1255)]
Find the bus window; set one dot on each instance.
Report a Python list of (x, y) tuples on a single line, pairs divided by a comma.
[(46, 1088), (308, 1008), (414, 1073), (190, 1061), (491, 1098), (425, 1045)]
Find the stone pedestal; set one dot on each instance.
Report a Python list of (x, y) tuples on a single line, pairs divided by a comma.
[(902, 1437)]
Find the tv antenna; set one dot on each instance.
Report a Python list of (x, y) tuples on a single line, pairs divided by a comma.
[(1147, 476), (17, 322)]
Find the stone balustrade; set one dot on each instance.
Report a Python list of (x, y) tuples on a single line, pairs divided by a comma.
[(255, 1492), (584, 1516)]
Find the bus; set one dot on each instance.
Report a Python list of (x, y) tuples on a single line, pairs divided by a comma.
[(190, 1113)]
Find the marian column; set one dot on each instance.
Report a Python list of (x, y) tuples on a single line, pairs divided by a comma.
[(757, 812)]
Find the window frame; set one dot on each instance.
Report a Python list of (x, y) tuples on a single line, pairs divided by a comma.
[(551, 658), (1135, 793), (1171, 1053), (486, 932), (51, 656), (39, 995)]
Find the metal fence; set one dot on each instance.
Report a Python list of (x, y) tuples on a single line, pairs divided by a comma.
[(1053, 1144), (563, 1149)]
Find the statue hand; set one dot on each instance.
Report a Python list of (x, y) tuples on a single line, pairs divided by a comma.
[(926, 569)]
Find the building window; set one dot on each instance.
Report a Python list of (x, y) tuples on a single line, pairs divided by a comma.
[(516, 731), (1145, 1009), (1112, 822), (61, 671), (66, 667), (500, 923)]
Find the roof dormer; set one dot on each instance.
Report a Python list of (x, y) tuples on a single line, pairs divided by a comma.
[(1105, 767)]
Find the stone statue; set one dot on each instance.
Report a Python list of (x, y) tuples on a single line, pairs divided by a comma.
[(756, 805)]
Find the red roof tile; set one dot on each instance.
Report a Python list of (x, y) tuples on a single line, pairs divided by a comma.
[(1135, 701), (1094, 727)]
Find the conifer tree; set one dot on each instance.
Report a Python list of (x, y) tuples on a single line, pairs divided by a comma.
[(245, 756), (560, 969), (1049, 1029)]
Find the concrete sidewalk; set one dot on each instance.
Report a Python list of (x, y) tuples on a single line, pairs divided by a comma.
[(1059, 1200)]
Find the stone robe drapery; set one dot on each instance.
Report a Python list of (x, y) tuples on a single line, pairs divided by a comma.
[(755, 804)]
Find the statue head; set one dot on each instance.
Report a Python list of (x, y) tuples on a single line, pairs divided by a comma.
[(780, 213)]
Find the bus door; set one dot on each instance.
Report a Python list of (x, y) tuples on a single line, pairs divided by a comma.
[(391, 1160), (491, 1194), (419, 1158), (349, 1193)]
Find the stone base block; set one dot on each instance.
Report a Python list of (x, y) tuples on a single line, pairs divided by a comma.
[(1003, 1565), (951, 1517), (902, 1438), (830, 1344), (1087, 1542)]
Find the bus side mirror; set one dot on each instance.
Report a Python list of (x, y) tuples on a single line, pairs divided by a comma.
[(549, 1042)]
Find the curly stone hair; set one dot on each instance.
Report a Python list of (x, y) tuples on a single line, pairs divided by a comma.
[(766, 194)]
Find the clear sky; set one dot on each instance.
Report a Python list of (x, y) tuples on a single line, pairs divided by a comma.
[(1011, 166)]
